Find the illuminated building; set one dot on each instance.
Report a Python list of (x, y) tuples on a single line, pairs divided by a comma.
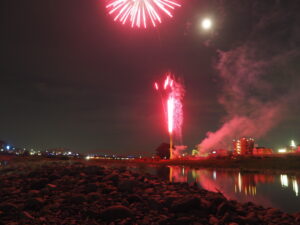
[(2, 145), (292, 147), (243, 146), (262, 151)]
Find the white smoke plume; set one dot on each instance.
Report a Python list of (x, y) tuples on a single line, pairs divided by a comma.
[(260, 78)]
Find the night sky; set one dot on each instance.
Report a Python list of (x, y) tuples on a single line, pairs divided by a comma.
[(72, 77)]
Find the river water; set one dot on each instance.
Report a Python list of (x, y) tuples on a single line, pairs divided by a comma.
[(267, 189)]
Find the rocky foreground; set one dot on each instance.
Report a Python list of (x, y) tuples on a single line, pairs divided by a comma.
[(74, 193)]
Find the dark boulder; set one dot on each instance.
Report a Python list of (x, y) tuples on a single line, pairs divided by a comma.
[(34, 204), (186, 204), (116, 212)]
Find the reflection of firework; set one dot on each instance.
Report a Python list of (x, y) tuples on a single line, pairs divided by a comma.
[(178, 174), (140, 12)]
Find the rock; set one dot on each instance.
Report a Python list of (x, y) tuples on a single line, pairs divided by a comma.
[(226, 218), (34, 204), (94, 170), (222, 208), (169, 201), (206, 204), (76, 199), (252, 218), (149, 190), (34, 192), (273, 211), (154, 204), (184, 221), (163, 220), (213, 220), (116, 212), (186, 204), (53, 177), (92, 187), (27, 215), (111, 177), (52, 186), (39, 184), (126, 185), (93, 196), (9, 208), (297, 217), (90, 213), (108, 189), (134, 198)]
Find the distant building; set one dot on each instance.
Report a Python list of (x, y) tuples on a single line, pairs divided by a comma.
[(292, 148), (2, 145), (243, 146), (262, 151)]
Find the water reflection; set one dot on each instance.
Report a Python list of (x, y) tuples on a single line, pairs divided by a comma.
[(284, 180), (266, 189), (270, 190), (3, 163), (295, 186)]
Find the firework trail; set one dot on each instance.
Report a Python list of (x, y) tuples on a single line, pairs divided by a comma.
[(141, 12), (172, 93)]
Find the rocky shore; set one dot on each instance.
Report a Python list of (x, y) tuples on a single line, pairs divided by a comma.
[(75, 193)]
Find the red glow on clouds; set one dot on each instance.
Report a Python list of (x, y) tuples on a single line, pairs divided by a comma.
[(139, 13)]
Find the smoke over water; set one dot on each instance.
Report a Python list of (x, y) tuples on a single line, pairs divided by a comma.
[(259, 75)]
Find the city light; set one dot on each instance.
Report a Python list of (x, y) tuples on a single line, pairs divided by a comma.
[(293, 144), (295, 187), (282, 150)]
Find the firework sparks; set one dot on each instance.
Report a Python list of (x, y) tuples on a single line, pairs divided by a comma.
[(171, 107), (172, 95), (141, 12)]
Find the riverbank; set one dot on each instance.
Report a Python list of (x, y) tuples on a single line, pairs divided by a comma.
[(280, 164), (283, 164), (65, 192)]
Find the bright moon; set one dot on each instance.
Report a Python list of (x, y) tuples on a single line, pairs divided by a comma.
[(206, 24)]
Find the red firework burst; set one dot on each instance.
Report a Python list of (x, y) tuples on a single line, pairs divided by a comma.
[(141, 12)]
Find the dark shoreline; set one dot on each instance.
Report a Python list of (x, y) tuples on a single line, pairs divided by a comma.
[(288, 164), (68, 192), (277, 165)]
